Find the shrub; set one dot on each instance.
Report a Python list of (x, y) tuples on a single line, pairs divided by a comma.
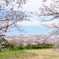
[(33, 46)]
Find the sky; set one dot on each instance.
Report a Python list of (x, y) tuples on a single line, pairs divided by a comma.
[(33, 26)]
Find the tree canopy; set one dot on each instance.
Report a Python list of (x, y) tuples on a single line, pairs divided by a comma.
[(10, 14), (51, 10)]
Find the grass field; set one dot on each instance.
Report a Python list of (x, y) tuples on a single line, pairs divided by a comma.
[(16, 54), (29, 54)]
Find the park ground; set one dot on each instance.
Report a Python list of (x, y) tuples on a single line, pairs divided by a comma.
[(45, 54), (30, 54)]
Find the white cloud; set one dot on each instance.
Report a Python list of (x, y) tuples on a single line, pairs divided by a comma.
[(36, 23), (56, 21), (32, 5), (29, 23)]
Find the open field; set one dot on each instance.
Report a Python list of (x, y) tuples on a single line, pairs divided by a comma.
[(17, 54), (45, 54), (30, 54)]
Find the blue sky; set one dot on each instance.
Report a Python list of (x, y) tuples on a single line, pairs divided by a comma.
[(29, 30), (33, 26)]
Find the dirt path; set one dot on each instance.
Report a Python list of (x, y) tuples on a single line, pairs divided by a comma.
[(44, 54)]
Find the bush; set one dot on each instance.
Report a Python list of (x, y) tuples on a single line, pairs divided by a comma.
[(33, 46), (42, 46)]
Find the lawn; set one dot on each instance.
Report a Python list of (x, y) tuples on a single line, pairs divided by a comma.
[(16, 54), (29, 54)]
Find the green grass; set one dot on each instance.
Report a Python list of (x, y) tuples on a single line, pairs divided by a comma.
[(37, 49), (16, 54)]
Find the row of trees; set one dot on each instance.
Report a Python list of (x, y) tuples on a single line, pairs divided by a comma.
[(10, 16), (34, 39)]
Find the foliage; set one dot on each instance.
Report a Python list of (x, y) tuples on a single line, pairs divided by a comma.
[(10, 14), (42, 46), (50, 12), (3, 40)]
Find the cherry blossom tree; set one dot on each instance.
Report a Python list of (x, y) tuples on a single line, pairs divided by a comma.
[(50, 10), (10, 14), (34, 39)]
